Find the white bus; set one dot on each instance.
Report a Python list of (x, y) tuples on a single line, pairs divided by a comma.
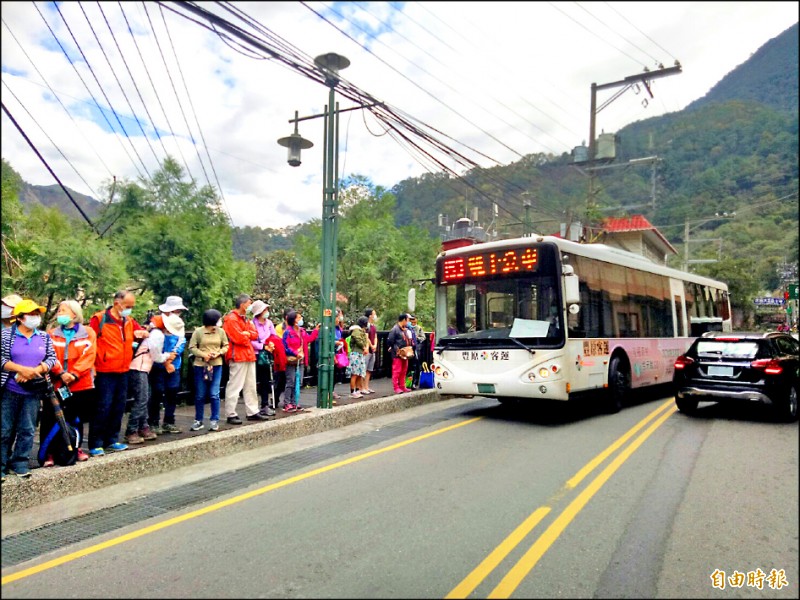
[(546, 318)]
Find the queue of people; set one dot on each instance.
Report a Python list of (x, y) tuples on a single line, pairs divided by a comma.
[(95, 368)]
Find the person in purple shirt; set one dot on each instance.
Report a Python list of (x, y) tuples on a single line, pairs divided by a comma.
[(27, 354), (265, 328)]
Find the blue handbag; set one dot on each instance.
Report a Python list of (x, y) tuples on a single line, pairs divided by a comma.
[(426, 377)]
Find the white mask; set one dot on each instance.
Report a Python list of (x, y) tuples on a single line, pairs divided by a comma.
[(219, 323), (7, 310), (174, 321), (266, 314), (300, 322), (32, 322)]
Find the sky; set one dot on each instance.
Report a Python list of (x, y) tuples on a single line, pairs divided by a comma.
[(504, 79)]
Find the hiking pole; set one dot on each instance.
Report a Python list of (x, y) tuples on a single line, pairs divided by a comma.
[(272, 402), (62, 422)]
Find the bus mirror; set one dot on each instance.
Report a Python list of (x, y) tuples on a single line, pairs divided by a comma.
[(574, 309), (412, 299), (571, 290)]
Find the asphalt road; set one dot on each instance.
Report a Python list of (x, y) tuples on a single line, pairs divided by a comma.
[(493, 502)]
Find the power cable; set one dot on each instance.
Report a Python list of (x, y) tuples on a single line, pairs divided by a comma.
[(604, 24), (194, 112), (155, 90), (44, 131), (56, 96), (133, 80), (102, 112), (119, 83), (47, 166), (640, 31), (436, 59), (111, 106)]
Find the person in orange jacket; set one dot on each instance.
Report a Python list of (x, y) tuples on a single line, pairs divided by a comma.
[(115, 330), (241, 359), (76, 348)]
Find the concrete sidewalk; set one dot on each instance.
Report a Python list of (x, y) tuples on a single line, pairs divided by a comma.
[(171, 451)]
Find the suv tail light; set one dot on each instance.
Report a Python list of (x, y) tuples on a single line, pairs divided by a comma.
[(682, 361), (770, 366)]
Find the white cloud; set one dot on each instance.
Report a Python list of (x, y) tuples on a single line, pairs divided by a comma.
[(508, 79)]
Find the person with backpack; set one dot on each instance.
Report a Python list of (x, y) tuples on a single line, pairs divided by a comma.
[(167, 341), (116, 331), (208, 345), (27, 354), (76, 349)]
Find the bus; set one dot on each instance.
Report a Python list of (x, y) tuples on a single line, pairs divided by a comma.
[(542, 317)]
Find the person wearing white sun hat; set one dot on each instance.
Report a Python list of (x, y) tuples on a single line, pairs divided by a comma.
[(167, 341)]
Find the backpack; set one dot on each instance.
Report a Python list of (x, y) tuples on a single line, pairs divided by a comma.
[(54, 445)]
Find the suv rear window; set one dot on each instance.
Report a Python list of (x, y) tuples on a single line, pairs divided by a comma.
[(742, 349)]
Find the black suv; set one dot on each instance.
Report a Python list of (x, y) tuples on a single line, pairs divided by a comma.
[(760, 367)]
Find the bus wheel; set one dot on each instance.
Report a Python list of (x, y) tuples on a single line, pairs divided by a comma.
[(619, 384)]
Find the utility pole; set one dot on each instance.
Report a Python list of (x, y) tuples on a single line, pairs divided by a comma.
[(686, 241), (626, 83)]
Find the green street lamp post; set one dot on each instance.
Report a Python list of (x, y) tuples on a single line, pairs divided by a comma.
[(330, 64)]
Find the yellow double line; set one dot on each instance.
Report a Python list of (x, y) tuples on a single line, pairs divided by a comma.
[(520, 570)]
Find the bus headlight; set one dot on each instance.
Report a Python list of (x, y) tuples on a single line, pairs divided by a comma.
[(531, 376), (544, 373)]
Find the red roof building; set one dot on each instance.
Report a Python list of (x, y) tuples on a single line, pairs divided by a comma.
[(636, 234)]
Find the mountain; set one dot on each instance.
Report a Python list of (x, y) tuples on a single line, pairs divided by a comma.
[(54, 196), (768, 77)]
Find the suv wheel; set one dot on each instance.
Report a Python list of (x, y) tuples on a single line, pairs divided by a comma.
[(686, 406), (619, 384), (787, 408)]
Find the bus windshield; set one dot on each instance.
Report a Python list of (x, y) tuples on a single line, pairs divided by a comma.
[(525, 309)]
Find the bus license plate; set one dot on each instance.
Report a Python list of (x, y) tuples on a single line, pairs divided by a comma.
[(720, 371), (486, 388)]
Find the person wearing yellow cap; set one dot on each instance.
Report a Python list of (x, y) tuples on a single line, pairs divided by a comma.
[(9, 302), (27, 354)]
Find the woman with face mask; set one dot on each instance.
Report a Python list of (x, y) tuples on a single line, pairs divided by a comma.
[(76, 348), (27, 354)]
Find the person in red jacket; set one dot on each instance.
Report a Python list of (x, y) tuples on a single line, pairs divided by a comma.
[(76, 349), (115, 330), (241, 359)]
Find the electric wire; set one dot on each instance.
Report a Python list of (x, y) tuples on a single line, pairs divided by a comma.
[(85, 85), (119, 83), (102, 90), (47, 166), (133, 80), (196, 120), (640, 31), (175, 91), (155, 90), (58, 99), (604, 24), (44, 131), (436, 59), (414, 83)]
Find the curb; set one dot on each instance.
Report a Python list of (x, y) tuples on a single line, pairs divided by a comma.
[(52, 484)]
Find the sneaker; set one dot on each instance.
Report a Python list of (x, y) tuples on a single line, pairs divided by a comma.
[(268, 411), (234, 420), (156, 429), (49, 462), (116, 447), (336, 396), (356, 395), (97, 452), (170, 428), (365, 392), (257, 417), (147, 434), (407, 389), (213, 426), (290, 408), (134, 438), (371, 391), (82, 456), (196, 426)]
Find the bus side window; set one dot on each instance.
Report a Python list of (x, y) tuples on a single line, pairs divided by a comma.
[(679, 315)]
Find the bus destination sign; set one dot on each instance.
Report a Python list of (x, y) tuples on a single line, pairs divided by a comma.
[(490, 264)]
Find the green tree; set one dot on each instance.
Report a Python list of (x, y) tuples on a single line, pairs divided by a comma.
[(11, 223)]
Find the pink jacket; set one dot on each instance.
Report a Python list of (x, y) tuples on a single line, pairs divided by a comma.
[(291, 342)]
